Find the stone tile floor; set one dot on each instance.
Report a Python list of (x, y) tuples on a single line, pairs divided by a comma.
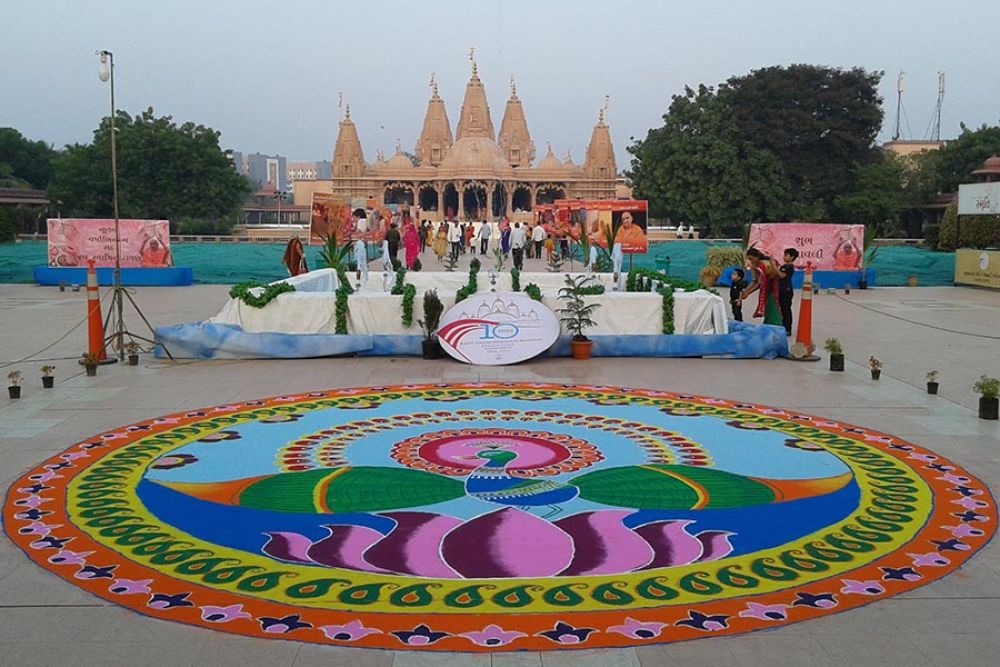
[(44, 621)]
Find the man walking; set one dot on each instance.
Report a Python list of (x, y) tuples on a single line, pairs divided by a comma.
[(538, 237), (484, 237), (454, 238), (517, 240)]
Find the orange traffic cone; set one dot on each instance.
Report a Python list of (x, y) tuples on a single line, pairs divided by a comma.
[(95, 325), (803, 348)]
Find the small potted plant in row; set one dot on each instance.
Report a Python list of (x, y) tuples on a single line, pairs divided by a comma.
[(875, 366), (48, 380), (89, 362), (132, 349), (577, 316), (932, 382), (832, 345), (14, 388), (988, 389)]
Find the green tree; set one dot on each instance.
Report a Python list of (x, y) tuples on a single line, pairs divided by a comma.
[(24, 163), (954, 163), (165, 170), (698, 168), (878, 194), (819, 121)]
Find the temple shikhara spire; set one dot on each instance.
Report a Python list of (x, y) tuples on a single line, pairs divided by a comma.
[(473, 173)]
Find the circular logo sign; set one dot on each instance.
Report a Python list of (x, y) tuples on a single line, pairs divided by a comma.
[(492, 329), (984, 261)]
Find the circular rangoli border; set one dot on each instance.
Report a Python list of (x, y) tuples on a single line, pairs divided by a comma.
[(961, 521)]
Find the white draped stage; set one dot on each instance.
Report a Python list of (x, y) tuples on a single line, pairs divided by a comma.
[(310, 309)]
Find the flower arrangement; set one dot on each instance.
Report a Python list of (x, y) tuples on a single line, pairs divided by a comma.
[(47, 370), (533, 291), (874, 364), (832, 345), (932, 376), (14, 377)]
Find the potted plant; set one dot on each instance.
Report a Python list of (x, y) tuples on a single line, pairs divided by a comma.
[(577, 315), (875, 366), (14, 389), (932, 382), (132, 348), (432, 316), (832, 345), (89, 362), (988, 389), (47, 380)]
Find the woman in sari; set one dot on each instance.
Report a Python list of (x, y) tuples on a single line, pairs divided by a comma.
[(441, 241), (505, 237), (765, 283), (411, 243)]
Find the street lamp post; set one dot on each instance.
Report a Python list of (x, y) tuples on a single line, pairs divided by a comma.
[(106, 73)]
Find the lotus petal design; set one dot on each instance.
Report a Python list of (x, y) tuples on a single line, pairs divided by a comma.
[(508, 542)]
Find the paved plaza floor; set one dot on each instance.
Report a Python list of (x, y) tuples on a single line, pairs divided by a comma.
[(45, 621)]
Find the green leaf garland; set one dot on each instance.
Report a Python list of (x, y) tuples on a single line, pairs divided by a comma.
[(409, 293), (533, 291), (271, 292)]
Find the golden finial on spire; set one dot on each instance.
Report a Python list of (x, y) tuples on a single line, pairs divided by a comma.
[(399, 148), (548, 146), (567, 157), (607, 101), (513, 87), (472, 59), (348, 111), (434, 85), (340, 105)]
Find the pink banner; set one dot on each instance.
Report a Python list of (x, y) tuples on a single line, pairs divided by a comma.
[(144, 243), (829, 247)]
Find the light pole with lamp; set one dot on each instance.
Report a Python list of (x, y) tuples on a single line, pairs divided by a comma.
[(106, 73)]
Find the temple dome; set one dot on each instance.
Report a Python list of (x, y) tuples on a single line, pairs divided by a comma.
[(476, 156), (550, 162), (399, 161)]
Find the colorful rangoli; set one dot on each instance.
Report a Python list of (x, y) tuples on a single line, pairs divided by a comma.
[(477, 517)]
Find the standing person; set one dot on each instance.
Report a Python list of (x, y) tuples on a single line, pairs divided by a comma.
[(505, 237), (785, 290), (422, 232), (765, 283), (454, 237), (736, 286), (538, 236), (517, 241), (411, 243), (484, 237), (468, 238), (392, 236), (441, 241)]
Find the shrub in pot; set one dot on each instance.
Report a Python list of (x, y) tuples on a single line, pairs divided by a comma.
[(832, 345), (432, 317), (132, 348), (14, 388), (875, 366), (932, 382), (48, 381), (988, 389), (577, 315), (89, 362)]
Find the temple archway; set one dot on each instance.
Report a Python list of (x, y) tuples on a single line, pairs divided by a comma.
[(499, 204), (398, 193), (521, 201), (474, 202), (549, 193), (450, 200), (428, 197)]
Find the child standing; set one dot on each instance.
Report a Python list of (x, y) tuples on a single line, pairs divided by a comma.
[(785, 290), (736, 285)]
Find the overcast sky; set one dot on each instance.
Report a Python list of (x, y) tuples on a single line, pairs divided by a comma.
[(266, 75)]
